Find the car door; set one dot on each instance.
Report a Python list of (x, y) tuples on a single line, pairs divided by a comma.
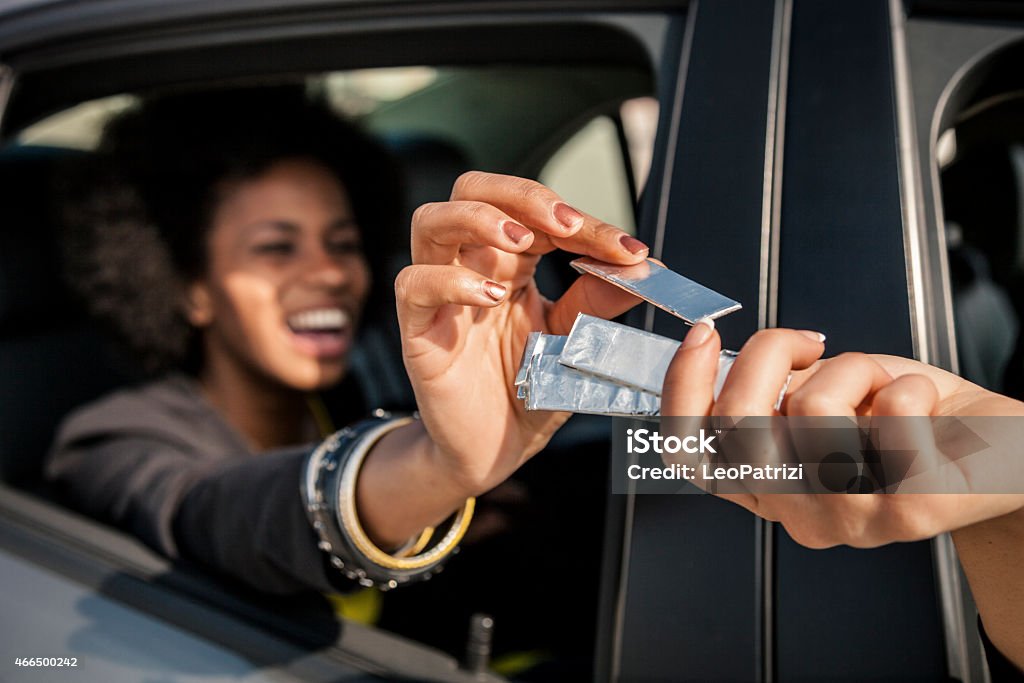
[(785, 181), (58, 55)]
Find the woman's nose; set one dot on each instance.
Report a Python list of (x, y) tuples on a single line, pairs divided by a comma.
[(326, 270)]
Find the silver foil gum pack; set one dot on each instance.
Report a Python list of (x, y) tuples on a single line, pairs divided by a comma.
[(605, 368)]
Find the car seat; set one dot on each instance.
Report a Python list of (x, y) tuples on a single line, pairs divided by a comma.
[(429, 167), (986, 325), (52, 358)]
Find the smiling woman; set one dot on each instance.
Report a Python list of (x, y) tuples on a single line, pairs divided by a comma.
[(229, 238), (188, 186), (226, 237)]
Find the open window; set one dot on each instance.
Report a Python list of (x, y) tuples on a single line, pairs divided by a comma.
[(981, 156), (444, 97), (964, 93)]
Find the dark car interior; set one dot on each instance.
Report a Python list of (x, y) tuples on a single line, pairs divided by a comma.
[(983, 201), (54, 358)]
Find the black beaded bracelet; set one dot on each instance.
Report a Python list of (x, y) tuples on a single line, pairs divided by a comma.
[(328, 489)]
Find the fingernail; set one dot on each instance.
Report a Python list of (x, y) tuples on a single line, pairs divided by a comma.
[(515, 232), (567, 216), (494, 290), (632, 244), (812, 335), (699, 333)]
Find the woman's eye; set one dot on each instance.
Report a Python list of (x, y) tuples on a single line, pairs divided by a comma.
[(274, 248)]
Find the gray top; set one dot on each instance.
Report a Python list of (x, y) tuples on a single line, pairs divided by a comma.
[(159, 462)]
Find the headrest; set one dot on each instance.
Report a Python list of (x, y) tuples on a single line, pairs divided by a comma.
[(431, 165), (31, 278)]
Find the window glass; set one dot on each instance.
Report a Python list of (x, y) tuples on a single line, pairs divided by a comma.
[(352, 93), (588, 171), (359, 92), (639, 123), (79, 127), (438, 123), (982, 170)]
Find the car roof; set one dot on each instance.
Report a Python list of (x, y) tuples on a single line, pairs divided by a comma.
[(29, 23)]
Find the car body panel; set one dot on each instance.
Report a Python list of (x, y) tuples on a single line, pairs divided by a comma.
[(108, 641), (689, 610)]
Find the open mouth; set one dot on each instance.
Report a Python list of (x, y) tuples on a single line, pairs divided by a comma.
[(321, 332)]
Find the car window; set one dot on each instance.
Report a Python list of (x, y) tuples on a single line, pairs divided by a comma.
[(354, 94), (597, 168), (965, 130), (421, 114), (982, 192), (590, 173), (79, 127), (980, 160)]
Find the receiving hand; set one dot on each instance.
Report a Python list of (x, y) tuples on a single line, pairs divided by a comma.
[(852, 385)]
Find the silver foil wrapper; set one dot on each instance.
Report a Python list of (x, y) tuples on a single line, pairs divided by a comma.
[(618, 352), (537, 344), (603, 368), (606, 368), (666, 289), (553, 386)]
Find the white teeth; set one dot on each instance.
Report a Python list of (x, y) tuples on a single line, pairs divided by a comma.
[(318, 319)]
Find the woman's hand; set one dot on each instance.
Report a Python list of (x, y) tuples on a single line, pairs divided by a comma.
[(465, 308)]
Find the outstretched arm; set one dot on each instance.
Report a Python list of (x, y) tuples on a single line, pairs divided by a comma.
[(466, 307)]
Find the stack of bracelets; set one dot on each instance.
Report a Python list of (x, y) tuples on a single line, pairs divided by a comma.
[(329, 491)]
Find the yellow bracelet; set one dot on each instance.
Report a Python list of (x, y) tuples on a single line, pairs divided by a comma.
[(349, 519)]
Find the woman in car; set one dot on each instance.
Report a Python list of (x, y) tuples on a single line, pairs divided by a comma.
[(227, 237)]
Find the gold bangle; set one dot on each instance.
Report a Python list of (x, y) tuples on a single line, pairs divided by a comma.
[(349, 520)]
